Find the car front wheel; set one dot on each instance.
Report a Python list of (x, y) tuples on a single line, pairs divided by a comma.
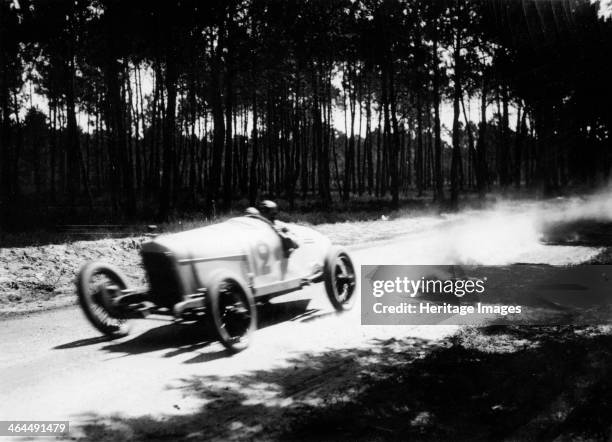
[(97, 284), (231, 311)]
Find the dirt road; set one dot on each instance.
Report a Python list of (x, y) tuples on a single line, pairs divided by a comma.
[(169, 381)]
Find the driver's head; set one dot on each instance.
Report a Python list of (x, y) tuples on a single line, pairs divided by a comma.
[(252, 211), (269, 209)]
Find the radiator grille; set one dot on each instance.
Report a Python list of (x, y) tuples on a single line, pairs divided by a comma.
[(165, 285)]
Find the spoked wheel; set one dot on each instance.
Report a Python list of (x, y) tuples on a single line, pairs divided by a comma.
[(97, 285), (339, 277), (231, 310)]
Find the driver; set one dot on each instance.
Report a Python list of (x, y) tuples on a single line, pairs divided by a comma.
[(269, 210)]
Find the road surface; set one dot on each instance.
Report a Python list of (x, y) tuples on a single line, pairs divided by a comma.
[(55, 366)]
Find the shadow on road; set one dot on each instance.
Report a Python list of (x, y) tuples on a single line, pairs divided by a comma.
[(177, 338), (181, 338), (490, 384), (83, 343)]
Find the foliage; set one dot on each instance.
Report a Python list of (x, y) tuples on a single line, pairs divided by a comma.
[(179, 104)]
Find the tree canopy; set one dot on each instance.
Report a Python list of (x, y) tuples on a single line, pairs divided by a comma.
[(145, 108)]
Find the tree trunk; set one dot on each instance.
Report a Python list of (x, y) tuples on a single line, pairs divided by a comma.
[(228, 177), (72, 134), (482, 169), (505, 142), (521, 127), (394, 162), (419, 163), (457, 95), (472, 164), (439, 183), (169, 155), (321, 144), (219, 128)]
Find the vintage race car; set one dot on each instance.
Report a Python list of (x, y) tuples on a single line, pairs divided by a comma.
[(216, 274)]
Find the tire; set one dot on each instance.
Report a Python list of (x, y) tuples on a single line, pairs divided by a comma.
[(231, 311), (339, 279), (95, 297)]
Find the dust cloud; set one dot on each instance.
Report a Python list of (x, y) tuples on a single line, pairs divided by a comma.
[(560, 231)]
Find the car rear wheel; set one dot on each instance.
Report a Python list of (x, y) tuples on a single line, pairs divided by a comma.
[(97, 285), (339, 279), (231, 311)]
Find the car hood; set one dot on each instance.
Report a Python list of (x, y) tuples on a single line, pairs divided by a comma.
[(228, 238)]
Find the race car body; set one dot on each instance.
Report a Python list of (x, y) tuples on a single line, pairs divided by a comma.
[(217, 273)]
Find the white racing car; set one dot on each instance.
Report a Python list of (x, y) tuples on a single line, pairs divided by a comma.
[(217, 274)]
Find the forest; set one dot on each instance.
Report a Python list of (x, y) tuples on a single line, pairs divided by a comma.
[(122, 110)]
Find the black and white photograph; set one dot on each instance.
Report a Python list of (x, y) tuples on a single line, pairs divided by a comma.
[(306, 220)]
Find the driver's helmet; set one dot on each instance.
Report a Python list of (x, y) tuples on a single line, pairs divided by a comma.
[(252, 211), (269, 209)]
